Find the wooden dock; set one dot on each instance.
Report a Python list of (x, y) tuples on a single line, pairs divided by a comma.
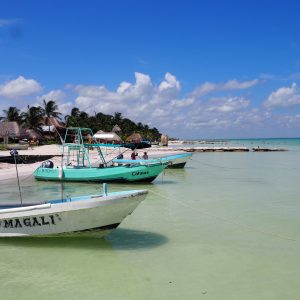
[(258, 149), (231, 149)]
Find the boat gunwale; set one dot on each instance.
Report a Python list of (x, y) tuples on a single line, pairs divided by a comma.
[(94, 198)]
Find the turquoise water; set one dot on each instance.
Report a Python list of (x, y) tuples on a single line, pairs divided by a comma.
[(291, 144), (225, 227)]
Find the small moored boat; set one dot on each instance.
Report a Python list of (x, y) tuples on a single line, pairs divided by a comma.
[(76, 165), (86, 214), (176, 161)]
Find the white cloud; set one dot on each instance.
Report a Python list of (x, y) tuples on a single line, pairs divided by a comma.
[(170, 83), (55, 95), (19, 88), (140, 99), (284, 97), (289, 121), (182, 102), (234, 84), (59, 97), (161, 104), (227, 105)]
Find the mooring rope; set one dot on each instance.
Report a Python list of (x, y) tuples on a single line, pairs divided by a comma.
[(212, 165)]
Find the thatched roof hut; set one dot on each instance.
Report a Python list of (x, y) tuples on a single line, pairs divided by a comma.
[(107, 137), (116, 129), (34, 135), (134, 138), (12, 130), (51, 121)]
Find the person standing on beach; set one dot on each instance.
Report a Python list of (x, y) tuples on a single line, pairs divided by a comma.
[(145, 156)]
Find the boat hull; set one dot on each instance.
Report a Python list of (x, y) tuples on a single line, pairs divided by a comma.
[(177, 161), (81, 215), (177, 165), (131, 173)]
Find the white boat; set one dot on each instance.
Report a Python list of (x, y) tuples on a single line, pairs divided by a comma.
[(86, 214), (176, 161)]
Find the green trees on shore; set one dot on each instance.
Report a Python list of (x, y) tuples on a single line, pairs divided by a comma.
[(106, 123), (36, 116), (12, 114)]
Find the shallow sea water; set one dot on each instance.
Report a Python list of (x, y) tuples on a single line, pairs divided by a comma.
[(225, 227)]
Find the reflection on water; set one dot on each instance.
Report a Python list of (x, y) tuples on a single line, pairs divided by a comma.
[(126, 239), (120, 239)]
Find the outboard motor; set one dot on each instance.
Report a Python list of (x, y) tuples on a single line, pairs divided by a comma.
[(48, 164), (13, 152)]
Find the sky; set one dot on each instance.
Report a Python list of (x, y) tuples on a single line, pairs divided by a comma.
[(192, 69)]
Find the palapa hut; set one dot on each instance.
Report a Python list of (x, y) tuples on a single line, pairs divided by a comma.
[(12, 130), (116, 129), (54, 122), (134, 138), (136, 141), (104, 137), (34, 135), (52, 127)]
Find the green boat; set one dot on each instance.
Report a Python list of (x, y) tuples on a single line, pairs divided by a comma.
[(76, 164)]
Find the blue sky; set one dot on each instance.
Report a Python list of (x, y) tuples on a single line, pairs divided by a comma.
[(193, 69)]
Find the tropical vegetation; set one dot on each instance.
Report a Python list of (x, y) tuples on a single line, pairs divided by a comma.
[(36, 116)]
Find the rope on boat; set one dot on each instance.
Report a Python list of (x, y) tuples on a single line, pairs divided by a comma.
[(225, 220), (27, 177)]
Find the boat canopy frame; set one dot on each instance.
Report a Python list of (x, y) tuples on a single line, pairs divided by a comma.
[(80, 147)]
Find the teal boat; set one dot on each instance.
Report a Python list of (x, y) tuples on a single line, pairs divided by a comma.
[(176, 161), (76, 164)]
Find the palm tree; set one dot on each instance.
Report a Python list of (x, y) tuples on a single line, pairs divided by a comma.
[(71, 120), (50, 110), (117, 118), (33, 118), (12, 114)]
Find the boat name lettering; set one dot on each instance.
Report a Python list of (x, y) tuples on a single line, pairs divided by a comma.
[(30, 221), (139, 173)]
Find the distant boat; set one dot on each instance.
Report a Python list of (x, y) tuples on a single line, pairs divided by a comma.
[(176, 161), (76, 165), (87, 214)]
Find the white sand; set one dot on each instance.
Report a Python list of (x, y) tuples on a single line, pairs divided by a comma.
[(8, 171)]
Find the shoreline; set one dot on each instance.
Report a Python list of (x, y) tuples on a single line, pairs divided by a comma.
[(7, 170)]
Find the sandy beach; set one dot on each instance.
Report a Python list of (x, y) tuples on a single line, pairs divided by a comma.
[(8, 171)]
